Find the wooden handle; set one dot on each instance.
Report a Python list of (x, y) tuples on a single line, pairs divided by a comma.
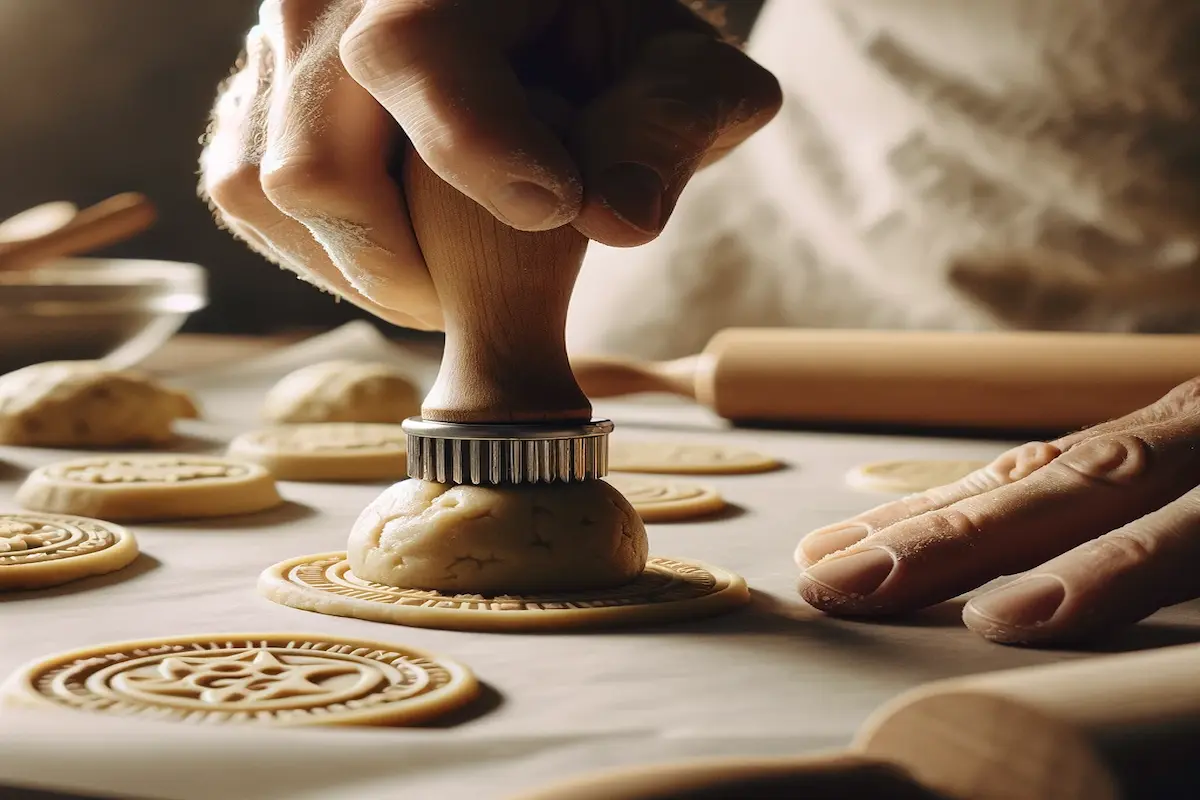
[(108, 222), (615, 377), (504, 296)]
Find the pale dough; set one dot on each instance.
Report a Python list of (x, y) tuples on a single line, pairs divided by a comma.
[(666, 500), (686, 459), (330, 451), (498, 540), (85, 404), (39, 550), (668, 590), (911, 475), (150, 487), (342, 391), (271, 679)]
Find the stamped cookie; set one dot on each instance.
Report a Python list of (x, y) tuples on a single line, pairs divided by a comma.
[(686, 459), (667, 500), (330, 451), (40, 550), (907, 476), (342, 391), (261, 679), (668, 590), (150, 487)]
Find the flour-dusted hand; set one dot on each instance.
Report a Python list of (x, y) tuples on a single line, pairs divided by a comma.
[(546, 112), (1106, 521)]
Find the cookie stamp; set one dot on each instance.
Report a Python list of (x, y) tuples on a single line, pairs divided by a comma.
[(40, 550), (666, 500), (262, 679), (331, 451), (686, 458)]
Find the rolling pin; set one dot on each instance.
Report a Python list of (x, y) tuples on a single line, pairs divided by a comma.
[(1123, 727), (999, 381)]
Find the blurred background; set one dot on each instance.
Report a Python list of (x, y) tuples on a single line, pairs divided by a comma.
[(99, 97)]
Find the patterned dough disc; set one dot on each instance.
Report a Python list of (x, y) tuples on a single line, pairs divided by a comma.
[(150, 487), (269, 679), (664, 500), (329, 451), (911, 475), (39, 550), (668, 590), (686, 459)]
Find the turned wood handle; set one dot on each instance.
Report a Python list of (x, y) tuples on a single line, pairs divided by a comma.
[(108, 222)]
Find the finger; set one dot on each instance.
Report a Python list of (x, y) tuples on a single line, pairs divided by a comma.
[(1095, 486), (325, 166), (686, 100), (441, 71), (1117, 579), (1011, 466)]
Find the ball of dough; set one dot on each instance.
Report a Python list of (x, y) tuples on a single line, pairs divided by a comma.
[(342, 391), (85, 404), (499, 540)]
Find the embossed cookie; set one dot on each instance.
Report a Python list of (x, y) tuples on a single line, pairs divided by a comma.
[(666, 500), (686, 459), (269, 679), (342, 391), (40, 550), (330, 451), (85, 404), (906, 476), (150, 487)]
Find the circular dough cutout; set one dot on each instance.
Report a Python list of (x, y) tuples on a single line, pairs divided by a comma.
[(666, 500), (40, 550), (329, 451), (686, 458), (276, 679), (150, 487), (906, 476), (342, 391), (668, 590)]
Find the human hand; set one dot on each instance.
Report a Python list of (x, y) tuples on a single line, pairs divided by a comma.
[(303, 144), (1106, 521)]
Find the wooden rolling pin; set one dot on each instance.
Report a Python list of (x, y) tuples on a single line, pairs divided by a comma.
[(1121, 727), (108, 222), (1001, 381)]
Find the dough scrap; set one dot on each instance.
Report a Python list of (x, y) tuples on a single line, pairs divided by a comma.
[(150, 487), (40, 550), (330, 451), (498, 540), (342, 391), (271, 679), (665, 500), (686, 458), (668, 590), (85, 404), (906, 476)]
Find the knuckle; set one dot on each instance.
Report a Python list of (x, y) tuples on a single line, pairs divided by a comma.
[(955, 523), (1117, 549), (1184, 398), (235, 191), (375, 44), (299, 186), (1117, 458), (1022, 461)]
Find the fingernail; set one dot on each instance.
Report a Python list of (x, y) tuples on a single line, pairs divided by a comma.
[(527, 206), (1023, 603), (633, 192), (855, 575), (819, 544)]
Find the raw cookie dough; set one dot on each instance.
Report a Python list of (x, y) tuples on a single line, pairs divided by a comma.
[(686, 459), (342, 391), (40, 550), (668, 590), (85, 404), (666, 500), (907, 476), (262, 679), (498, 540), (150, 487), (330, 451)]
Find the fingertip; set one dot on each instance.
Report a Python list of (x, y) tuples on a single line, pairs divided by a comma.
[(1025, 611), (529, 206)]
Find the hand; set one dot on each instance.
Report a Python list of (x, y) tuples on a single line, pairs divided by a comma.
[(1107, 521), (304, 133)]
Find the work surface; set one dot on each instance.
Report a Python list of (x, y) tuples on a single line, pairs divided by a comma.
[(774, 679)]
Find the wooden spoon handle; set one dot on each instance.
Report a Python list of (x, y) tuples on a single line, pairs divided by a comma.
[(108, 222)]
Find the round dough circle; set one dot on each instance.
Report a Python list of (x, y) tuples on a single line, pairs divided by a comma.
[(491, 540), (262, 679), (40, 550), (150, 487), (668, 590), (686, 458), (329, 451), (664, 500), (905, 476), (342, 391)]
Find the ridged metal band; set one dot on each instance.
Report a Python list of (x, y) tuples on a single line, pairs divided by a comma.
[(506, 454)]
